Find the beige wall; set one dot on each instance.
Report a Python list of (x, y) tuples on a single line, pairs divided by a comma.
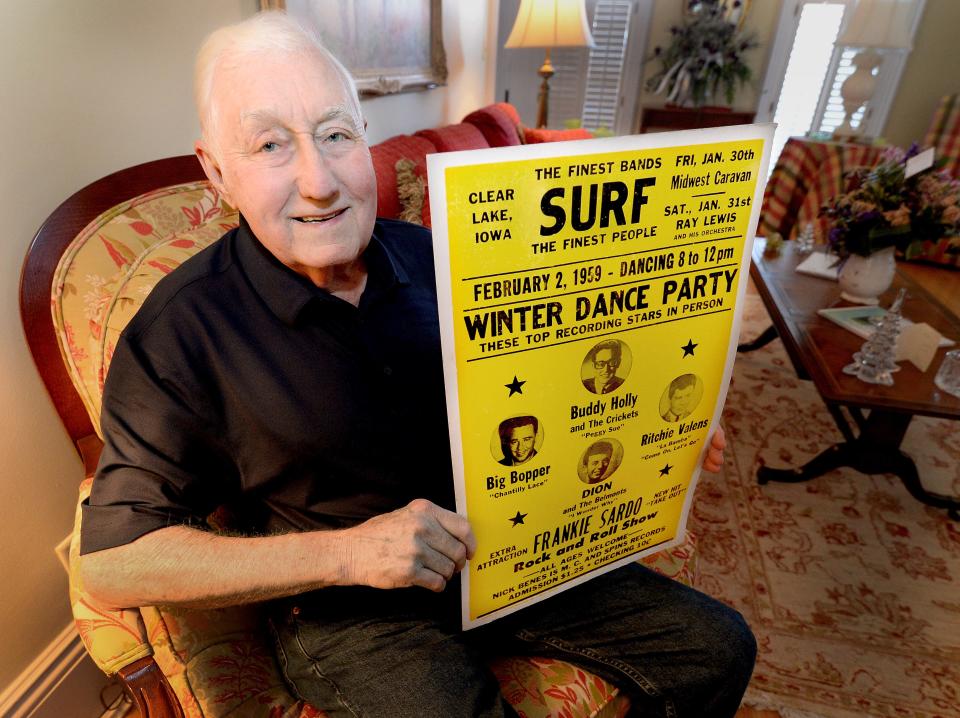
[(932, 70), (88, 88), (469, 33), (761, 20)]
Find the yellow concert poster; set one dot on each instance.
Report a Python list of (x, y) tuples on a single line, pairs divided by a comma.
[(589, 298)]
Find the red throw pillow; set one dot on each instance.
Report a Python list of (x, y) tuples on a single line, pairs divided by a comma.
[(499, 123), (455, 137), (385, 156), (536, 136)]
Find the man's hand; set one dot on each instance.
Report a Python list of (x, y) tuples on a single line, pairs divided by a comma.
[(418, 545), (713, 459)]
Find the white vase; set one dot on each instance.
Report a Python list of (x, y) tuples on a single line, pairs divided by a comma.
[(863, 279)]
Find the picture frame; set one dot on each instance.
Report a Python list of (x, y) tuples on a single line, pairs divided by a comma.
[(354, 31), (734, 12)]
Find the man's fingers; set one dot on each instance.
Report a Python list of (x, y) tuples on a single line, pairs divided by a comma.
[(713, 460), (438, 563), (429, 579), (458, 527), (719, 439), (444, 544), (418, 545)]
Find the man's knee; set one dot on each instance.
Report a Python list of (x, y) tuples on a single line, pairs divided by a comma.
[(730, 654), (736, 645)]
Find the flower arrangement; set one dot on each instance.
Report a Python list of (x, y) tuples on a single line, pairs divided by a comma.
[(706, 53), (881, 208)]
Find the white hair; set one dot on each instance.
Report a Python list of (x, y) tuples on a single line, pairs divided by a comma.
[(268, 31)]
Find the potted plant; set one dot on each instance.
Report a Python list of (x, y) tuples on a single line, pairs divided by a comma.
[(882, 211), (705, 55)]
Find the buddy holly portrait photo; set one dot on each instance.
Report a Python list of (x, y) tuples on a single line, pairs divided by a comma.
[(606, 366)]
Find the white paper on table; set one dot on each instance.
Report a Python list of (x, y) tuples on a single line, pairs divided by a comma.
[(820, 264), (918, 163), (918, 344)]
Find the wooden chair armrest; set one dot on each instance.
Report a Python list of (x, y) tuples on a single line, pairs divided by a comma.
[(149, 689), (89, 447)]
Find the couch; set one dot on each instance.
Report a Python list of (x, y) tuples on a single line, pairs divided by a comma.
[(87, 272)]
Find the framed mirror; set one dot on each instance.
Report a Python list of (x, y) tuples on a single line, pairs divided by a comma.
[(354, 31)]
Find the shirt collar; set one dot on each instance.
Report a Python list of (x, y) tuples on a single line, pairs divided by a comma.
[(287, 293)]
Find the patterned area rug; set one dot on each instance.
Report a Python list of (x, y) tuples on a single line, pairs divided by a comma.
[(851, 586)]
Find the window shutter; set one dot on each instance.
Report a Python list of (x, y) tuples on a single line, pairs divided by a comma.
[(586, 85), (567, 85), (611, 25)]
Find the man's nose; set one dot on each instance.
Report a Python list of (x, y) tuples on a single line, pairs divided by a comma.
[(315, 177)]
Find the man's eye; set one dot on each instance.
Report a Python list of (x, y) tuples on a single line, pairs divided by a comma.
[(269, 147), (335, 137)]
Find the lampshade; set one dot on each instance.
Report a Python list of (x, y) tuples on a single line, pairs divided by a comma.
[(881, 24), (550, 23)]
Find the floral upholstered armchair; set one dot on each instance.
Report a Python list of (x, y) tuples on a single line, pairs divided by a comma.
[(87, 272)]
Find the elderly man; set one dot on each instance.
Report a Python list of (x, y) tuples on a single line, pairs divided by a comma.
[(293, 371)]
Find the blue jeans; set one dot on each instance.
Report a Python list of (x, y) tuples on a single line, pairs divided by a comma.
[(365, 652)]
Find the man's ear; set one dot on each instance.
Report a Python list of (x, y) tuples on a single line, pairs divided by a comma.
[(211, 167)]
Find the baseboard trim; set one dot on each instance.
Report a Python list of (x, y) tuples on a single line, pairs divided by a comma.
[(62, 678)]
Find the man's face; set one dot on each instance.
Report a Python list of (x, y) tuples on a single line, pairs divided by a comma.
[(290, 154), (597, 465), (521, 442), (680, 401), (605, 365)]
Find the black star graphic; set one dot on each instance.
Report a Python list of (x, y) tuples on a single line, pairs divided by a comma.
[(514, 386), (688, 349), (518, 519), (665, 470)]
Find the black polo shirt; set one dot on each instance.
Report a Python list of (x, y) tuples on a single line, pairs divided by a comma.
[(240, 383)]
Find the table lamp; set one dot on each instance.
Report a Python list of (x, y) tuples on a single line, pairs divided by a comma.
[(549, 23), (875, 25)]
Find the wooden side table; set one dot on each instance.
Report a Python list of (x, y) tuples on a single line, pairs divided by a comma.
[(876, 417), (688, 118)]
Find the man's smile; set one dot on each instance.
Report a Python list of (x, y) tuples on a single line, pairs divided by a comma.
[(310, 219)]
